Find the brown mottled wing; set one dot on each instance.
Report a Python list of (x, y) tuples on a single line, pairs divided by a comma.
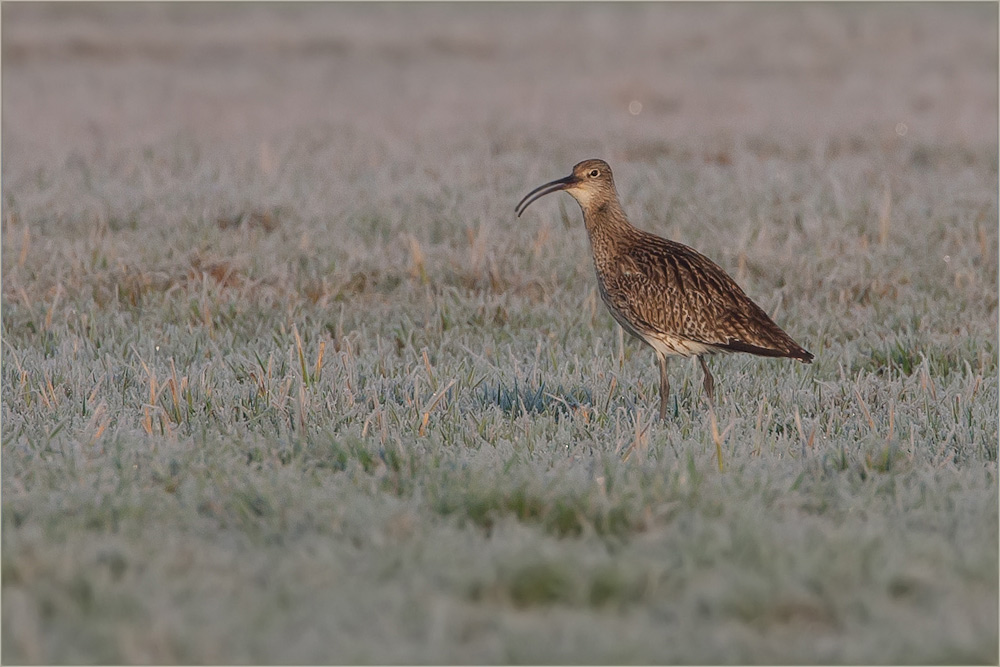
[(667, 288)]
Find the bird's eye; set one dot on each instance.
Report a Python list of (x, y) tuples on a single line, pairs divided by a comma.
[(594, 173)]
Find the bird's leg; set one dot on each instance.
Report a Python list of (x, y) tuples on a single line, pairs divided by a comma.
[(664, 385), (709, 380)]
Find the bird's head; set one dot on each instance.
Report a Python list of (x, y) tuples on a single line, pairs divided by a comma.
[(590, 184)]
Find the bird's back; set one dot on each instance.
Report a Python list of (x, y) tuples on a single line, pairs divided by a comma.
[(672, 296)]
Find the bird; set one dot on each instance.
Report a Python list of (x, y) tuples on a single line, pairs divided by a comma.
[(666, 294)]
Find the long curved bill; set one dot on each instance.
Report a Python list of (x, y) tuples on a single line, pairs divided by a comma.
[(542, 190)]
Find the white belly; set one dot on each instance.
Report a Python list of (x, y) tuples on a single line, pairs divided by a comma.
[(671, 346)]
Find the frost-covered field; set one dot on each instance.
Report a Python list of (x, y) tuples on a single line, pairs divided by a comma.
[(285, 380)]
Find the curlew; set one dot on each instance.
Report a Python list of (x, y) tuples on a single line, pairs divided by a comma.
[(664, 293)]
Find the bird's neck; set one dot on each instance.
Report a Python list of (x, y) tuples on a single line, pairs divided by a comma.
[(606, 223)]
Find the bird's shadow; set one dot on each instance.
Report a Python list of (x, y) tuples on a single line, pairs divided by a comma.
[(523, 398), (519, 399)]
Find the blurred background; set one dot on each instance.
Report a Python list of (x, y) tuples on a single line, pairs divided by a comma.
[(383, 89)]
